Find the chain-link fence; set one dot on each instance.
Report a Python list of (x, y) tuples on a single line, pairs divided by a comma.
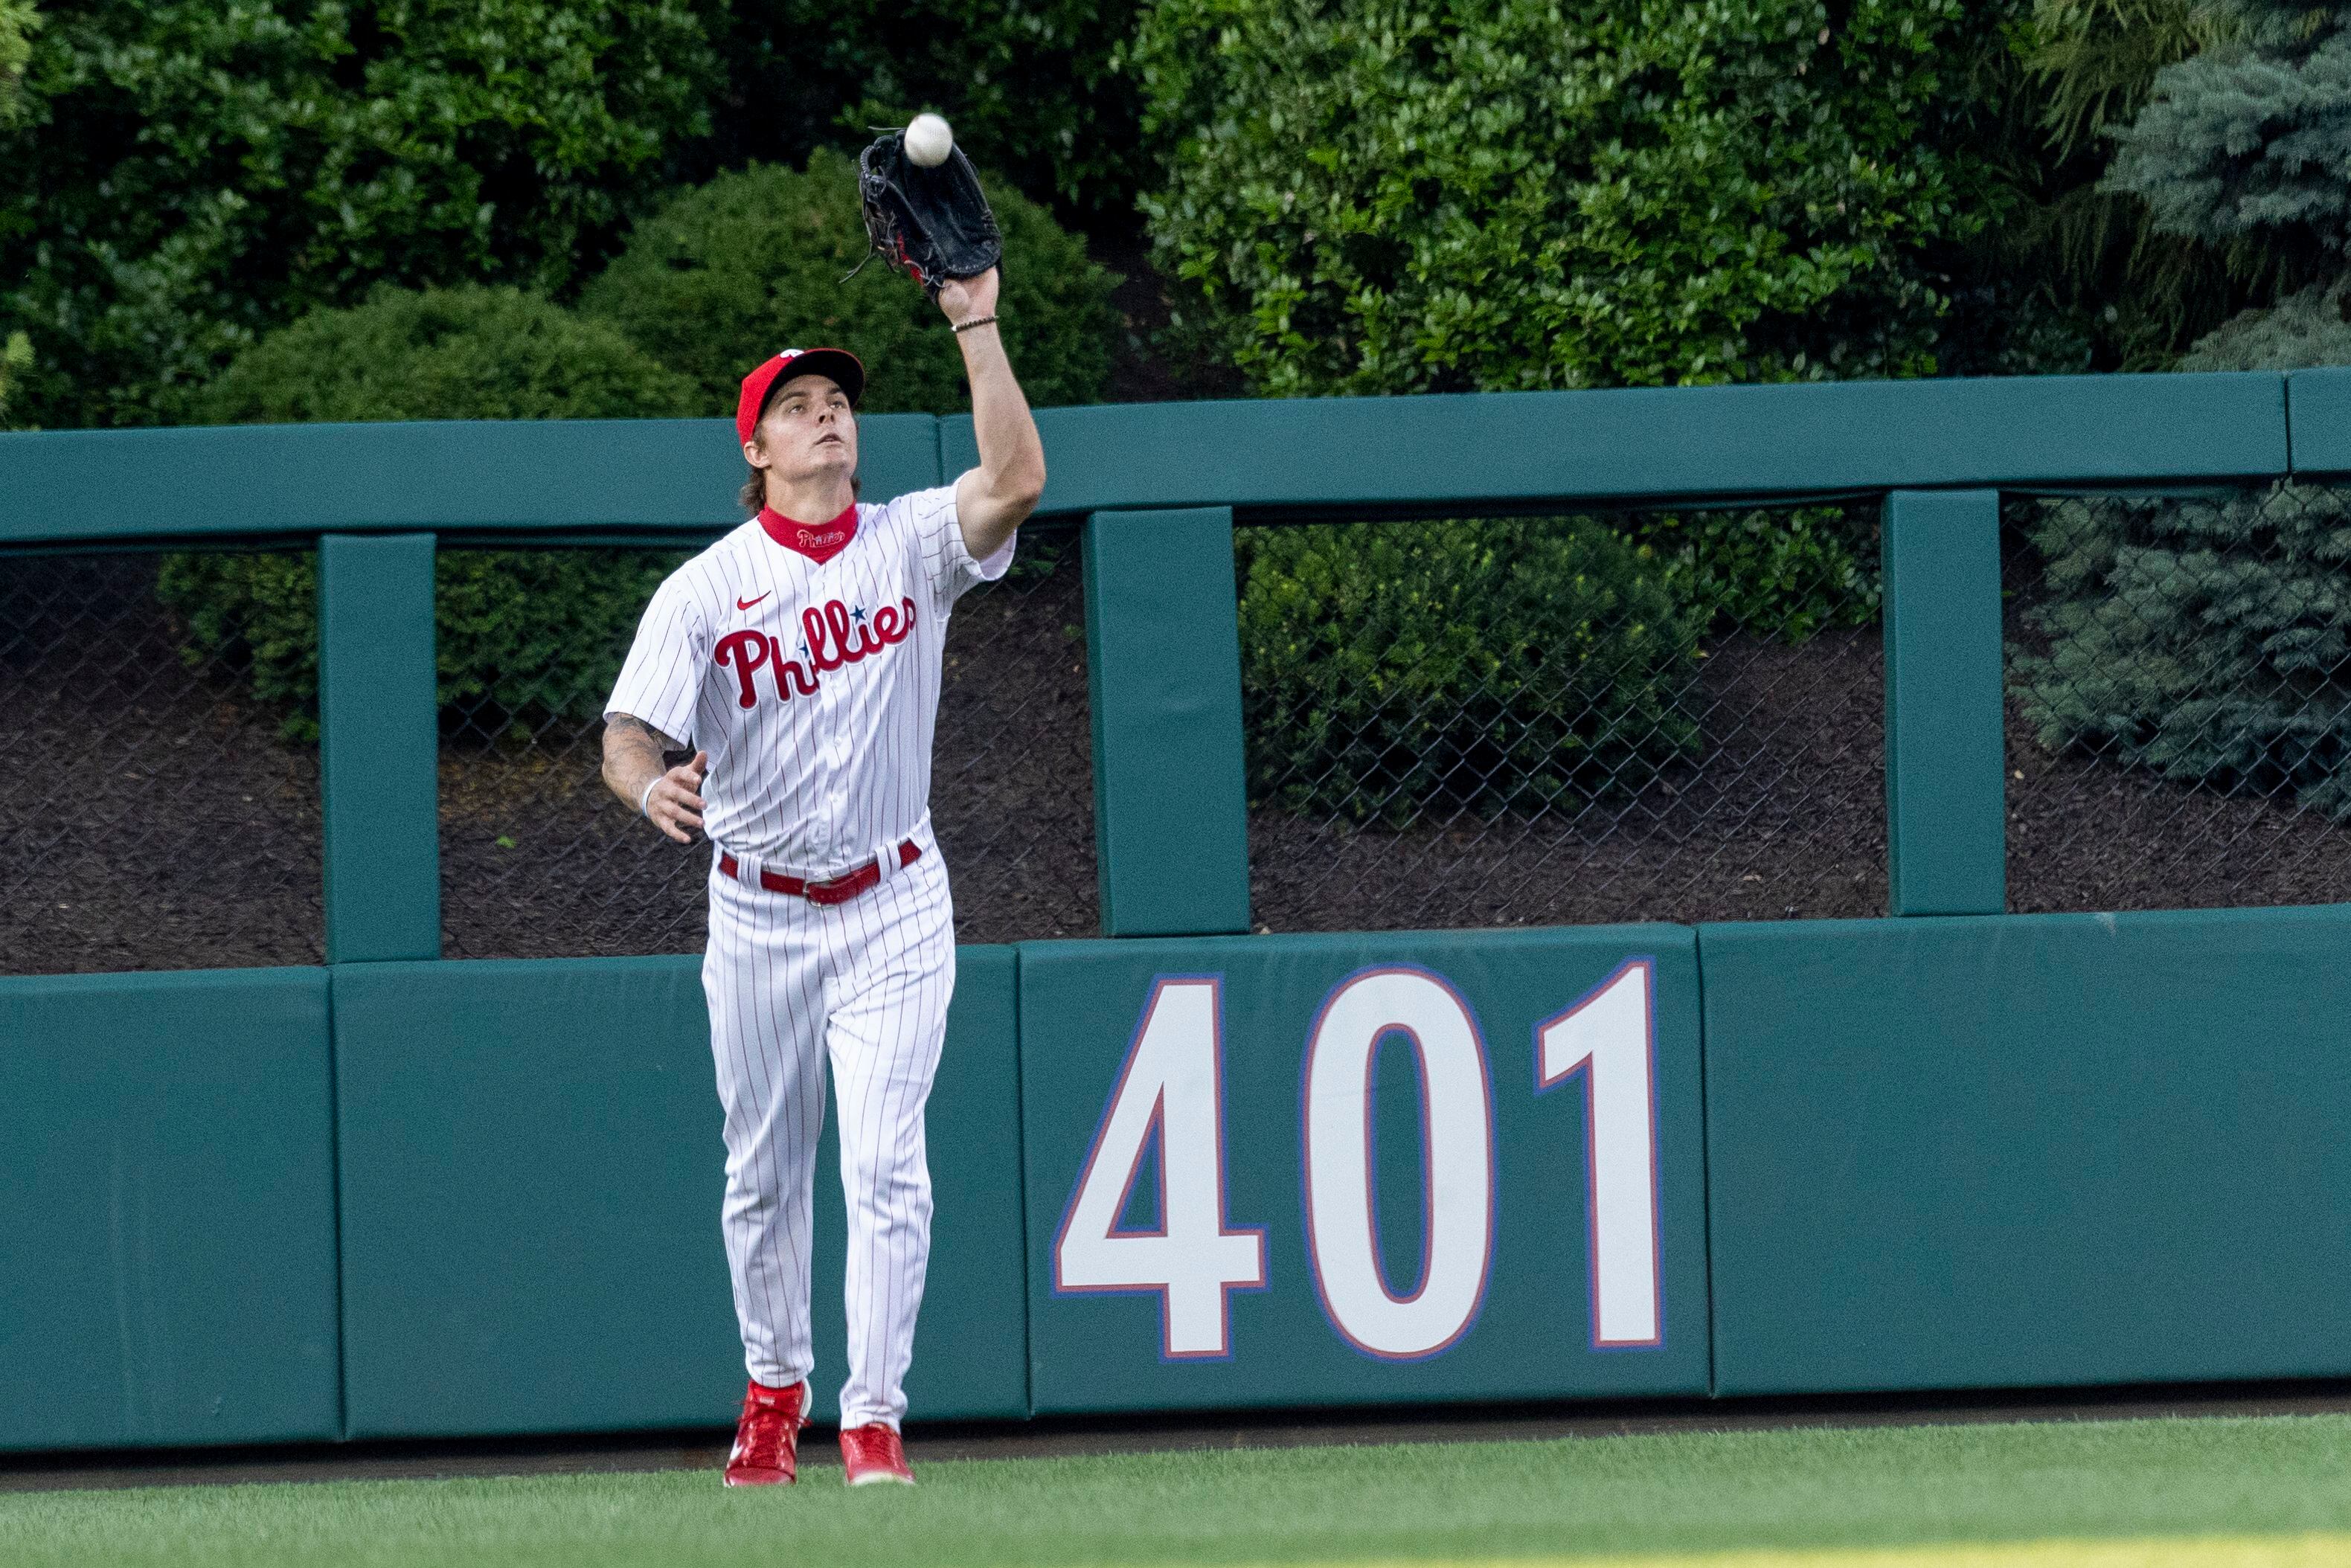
[(1012, 781), (1564, 720), (2178, 685), (537, 858), (161, 808)]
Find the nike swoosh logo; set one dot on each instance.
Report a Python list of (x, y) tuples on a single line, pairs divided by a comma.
[(747, 603)]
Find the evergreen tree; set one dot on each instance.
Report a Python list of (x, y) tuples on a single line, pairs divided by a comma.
[(2072, 277), (2210, 640), (2206, 640), (2247, 146)]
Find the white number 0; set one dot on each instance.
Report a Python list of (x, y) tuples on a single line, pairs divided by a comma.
[(1170, 1095), (1457, 1163)]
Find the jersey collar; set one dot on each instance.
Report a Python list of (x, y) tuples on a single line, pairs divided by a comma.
[(818, 542)]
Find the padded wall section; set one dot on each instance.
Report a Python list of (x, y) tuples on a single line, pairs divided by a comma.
[(1946, 791), (1124, 1043), (532, 1172), (1164, 664), (378, 748), (2016, 1151), (623, 477), (165, 1147), (1326, 457)]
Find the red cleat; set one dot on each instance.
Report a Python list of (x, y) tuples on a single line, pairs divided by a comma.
[(767, 1439), (873, 1453)]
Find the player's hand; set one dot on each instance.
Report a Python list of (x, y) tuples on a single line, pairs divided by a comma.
[(675, 803), (964, 298)]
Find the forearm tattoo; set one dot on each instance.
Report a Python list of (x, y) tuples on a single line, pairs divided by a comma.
[(628, 724)]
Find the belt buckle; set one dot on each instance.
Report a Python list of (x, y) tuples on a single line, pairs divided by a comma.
[(833, 890)]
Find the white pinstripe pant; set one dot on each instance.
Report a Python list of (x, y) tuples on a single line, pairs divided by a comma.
[(867, 982)]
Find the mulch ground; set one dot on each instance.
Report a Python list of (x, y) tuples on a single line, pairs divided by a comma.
[(1783, 816), (152, 819), (149, 818)]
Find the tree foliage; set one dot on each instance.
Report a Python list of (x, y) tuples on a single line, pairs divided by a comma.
[(2096, 60), (19, 22), (2246, 145), (523, 632), (2074, 258), (15, 357), (191, 174), (1029, 86), (725, 275), (2210, 639), (1366, 195)]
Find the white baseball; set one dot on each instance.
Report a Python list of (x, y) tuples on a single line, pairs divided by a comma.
[(928, 141)]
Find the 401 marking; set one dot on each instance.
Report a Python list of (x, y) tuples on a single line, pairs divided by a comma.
[(1167, 1106)]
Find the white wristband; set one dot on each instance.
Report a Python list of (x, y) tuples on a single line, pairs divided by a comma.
[(645, 799)]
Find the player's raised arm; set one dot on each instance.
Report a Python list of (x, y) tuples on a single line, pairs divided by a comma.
[(669, 797), (992, 500)]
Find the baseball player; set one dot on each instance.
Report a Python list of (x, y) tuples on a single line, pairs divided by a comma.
[(799, 657)]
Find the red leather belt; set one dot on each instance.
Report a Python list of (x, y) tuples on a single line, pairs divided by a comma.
[(839, 890)]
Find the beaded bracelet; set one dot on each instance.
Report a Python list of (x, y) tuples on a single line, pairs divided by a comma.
[(974, 321)]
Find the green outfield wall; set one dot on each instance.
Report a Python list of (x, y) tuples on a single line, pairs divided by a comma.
[(167, 1210), (531, 1171), (2057, 1149), (1372, 1117), (1180, 1166)]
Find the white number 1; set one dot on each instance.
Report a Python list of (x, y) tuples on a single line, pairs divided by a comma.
[(1170, 1096), (1612, 1032)]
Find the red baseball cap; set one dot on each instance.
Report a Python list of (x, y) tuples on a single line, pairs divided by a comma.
[(839, 364)]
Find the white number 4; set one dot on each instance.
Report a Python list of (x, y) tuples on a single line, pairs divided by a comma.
[(1169, 1101)]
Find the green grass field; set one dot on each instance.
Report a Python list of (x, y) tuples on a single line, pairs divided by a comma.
[(2147, 1489)]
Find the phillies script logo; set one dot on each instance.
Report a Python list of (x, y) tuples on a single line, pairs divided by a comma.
[(835, 636)]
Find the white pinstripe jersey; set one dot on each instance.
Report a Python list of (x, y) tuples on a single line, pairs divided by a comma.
[(814, 688)]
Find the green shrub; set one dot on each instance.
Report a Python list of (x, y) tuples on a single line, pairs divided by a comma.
[(1787, 575), (521, 635), (754, 262), (1388, 668), (451, 353), (2209, 640), (191, 174), (1499, 195)]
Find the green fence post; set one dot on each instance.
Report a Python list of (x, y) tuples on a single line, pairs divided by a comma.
[(378, 738), (1946, 796), (1163, 672)]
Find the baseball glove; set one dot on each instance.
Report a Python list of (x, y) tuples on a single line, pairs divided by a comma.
[(930, 224)]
